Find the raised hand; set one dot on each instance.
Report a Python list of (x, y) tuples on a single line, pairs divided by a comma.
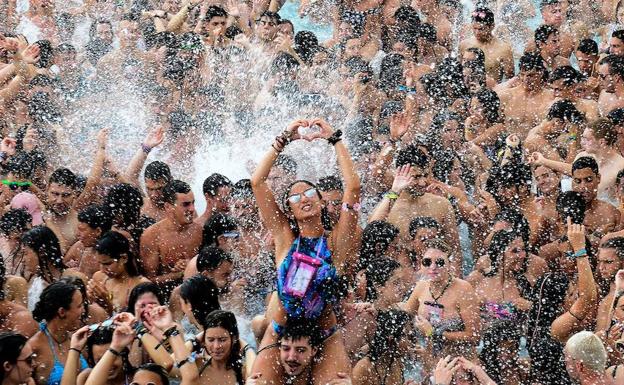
[(79, 338), (161, 317), (576, 235), (536, 159), (8, 146), (445, 370), (125, 318), (122, 337), (102, 138), (402, 178), (31, 54), (326, 131), (155, 137)]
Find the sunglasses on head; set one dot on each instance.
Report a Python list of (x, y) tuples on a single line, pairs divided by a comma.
[(426, 262), (296, 198), (16, 185)]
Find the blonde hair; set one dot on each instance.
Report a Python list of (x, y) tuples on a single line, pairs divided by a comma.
[(586, 347)]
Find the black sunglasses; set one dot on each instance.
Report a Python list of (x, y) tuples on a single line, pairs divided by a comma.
[(426, 262)]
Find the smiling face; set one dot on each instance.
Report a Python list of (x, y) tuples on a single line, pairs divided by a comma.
[(218, 343), (304, 201), (515, 255), (183, 209), (436, 264), (547, 180)]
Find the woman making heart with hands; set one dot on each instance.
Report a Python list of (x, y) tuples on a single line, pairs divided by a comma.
[(309, 256)]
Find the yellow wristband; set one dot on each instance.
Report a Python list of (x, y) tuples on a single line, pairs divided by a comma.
[(391, 195)]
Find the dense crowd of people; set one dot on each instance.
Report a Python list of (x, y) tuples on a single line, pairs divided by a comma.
[(434, 192)]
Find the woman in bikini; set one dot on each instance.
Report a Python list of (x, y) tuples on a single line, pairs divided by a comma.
[(309, 260), (118, 275)]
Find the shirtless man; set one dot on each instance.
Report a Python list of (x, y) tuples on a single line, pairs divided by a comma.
[(600, 140), (498, 54), (549, 47), (611, 72), (554, 16), (527, 104), (565, 81), (586, 58), (217, 189), (60, 215), (616, 43), (446, 308), (433, 16), (414, 201), (61, 306), (157, 175), (168, 245), (93, 221), (600, 217)]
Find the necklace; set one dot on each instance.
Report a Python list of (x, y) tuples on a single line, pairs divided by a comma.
[(448, 283)]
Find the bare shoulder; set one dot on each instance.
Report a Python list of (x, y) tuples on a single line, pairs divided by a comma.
[(464, 286), (15, 281), (607, 208)]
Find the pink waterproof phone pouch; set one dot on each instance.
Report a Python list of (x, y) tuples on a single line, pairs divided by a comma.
[(300, 273)]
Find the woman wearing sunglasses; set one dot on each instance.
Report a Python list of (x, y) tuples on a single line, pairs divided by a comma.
[(16, 359), (309, 259), (446, 308)]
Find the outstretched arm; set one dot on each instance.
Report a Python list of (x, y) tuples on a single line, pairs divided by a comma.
[(271, 214), (153, 139), (88, 194), (402, 179)]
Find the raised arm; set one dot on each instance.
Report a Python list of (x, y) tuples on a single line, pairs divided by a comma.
[(179, 18), (122, 338), (344, 233), (537, 159), (402, 179), (88, 194), (272, 216), (153, 139), (572, 320), (72, 364)]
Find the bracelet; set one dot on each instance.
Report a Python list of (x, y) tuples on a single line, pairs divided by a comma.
[(140, 330), (581, 253), (115, 352), (76, 350), (171, 332), (276, 150), (347, 207), (335, 138), (247, 348), (146, 149), (391, 195), (575, 316), (188, 360), (572, 138)]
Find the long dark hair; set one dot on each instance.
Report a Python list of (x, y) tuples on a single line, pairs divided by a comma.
[(227, 321), (500, 331), (203, 296), (11, 345), (325, 220), (116, 246), (378, 272), (390, 330), (496, 251), (376, 238), (46, 245)]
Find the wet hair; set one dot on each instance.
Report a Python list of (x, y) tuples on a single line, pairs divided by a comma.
[(616, 116), (409, 37), (616, 243), (571, 204), (496, 250), (96, 217), (376, 238), (284, 64), (569, 75), (63, 177), (391, 72), (585, 162), (546, 3), (139, 290), (491, 104), (215, 11), (156, 369), (298, 329), (203, 296), (603, 129), (158, 170), (232, 31), (428, 32), (618, 34), (82, 288), (125, 202), (325, 220), (518, 222), (531, 61), (242, 189), (286, 21), (451, 74), (438, 244), (330, 183), (271, 15), (213, 183), (11, 345), (483, 15), (543, 32), (15, 220), (306, 44), (41, 81), (116, 246), (286, 163), (173, 188), (378, 272), (356, 65), (46, 245), (565, 110), (218, 224), (588, 47), (54, 297), (479, 55), (21, 165), (211, 257), (413, 156), (408, 15), (227, 320), (509, 175), (389, 332), (423, 223), (493, 336)]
